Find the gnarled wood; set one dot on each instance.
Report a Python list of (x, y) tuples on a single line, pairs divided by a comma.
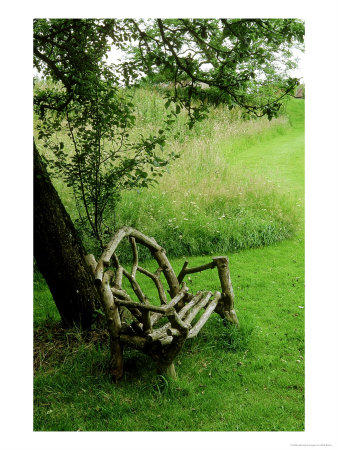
[(158, 284), (164, 342)]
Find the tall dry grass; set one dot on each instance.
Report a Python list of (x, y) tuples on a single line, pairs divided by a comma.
[(203, 203)]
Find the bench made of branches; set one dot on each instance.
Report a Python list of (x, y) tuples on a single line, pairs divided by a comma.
[(146, 331)]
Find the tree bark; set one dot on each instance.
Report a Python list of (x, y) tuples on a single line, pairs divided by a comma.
[(59, 253)]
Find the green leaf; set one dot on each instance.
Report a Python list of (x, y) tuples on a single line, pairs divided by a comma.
[(141, 173), (167, 103)]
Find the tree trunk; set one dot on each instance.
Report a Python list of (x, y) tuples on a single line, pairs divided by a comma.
[(59, 254)]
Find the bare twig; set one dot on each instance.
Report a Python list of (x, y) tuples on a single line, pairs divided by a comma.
[(158, 284), (185, 271)]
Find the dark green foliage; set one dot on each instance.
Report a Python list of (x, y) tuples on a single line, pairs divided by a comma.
[(243, 61)]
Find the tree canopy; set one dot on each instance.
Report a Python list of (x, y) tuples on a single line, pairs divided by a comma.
[(244, 60), (239, 57)]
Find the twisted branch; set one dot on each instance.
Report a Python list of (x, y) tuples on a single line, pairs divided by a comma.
[(163, 343)]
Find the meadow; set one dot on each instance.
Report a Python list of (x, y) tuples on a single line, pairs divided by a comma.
[(237, 189)]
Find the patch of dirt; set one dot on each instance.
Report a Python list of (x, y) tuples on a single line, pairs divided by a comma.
[(54, 344)]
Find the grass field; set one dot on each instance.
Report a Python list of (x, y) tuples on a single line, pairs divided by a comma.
[(229, 379), (218, 196)]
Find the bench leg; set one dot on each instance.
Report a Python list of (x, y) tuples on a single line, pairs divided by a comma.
[(225, 307), (116, 358), (231, 316), (168, 370)]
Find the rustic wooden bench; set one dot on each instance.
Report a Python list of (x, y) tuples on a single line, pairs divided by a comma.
[(157, 330)]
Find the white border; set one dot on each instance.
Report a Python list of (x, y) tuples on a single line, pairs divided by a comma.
[(321, 225)]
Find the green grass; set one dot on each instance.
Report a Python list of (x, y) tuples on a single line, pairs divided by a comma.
[(246, 379), (283, 161)]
